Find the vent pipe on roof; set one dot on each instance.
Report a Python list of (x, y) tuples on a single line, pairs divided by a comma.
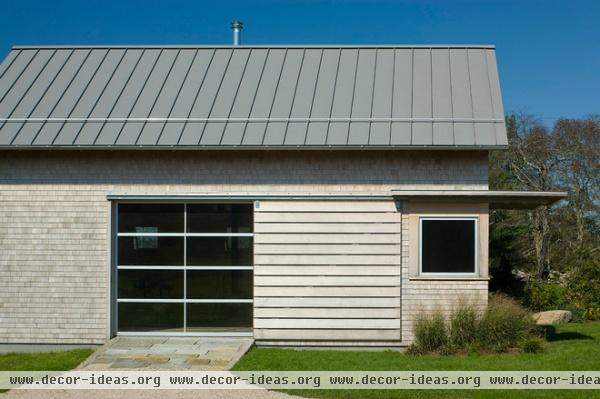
[(237, 26)]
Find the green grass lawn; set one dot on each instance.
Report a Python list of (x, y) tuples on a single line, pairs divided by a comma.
[(570, 347), (43, 361)]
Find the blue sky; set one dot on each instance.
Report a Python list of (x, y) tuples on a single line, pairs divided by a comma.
[(548, 51)]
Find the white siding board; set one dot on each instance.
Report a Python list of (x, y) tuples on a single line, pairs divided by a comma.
[(329, 313), (341, 259), (323, 266), (307, 270), (326, 228), (325, 249), (327, 302), (325, 206), (316, 323), (326, 281), (326, 217), (337, 334), (285, 291)]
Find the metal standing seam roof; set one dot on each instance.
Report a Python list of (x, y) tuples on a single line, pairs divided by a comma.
[(334, 97)]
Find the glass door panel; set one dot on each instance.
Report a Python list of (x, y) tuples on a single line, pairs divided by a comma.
[(184, 268)]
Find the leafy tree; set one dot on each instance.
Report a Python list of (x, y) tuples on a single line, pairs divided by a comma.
[(553, 252)]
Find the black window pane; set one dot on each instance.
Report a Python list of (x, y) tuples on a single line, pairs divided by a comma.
[(150, 317), (219, 284), (215, 315), (219, 218), (160, 284), (448, 246), (219, 251), (157, 251), (151, 218)]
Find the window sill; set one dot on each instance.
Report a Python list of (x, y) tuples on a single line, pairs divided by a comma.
[(449, 278)]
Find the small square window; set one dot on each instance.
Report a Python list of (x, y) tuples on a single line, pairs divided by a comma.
[(448, 245)]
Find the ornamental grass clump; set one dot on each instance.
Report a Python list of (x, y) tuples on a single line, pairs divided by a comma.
[(430, 331), (503, 326), (463, 324)]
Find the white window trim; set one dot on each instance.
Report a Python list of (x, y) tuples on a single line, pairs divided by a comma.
[(449, 274)]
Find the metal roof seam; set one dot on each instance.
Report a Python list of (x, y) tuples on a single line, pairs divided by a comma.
[(37, 75), (237, 90), (333, 95), (287, 124), (372, 98), (10, 63), (212, 57), (471, 92), (451, 97), (431, 104), (216, 94), (62, 95), (40, 98), (392, 95), (137, 97), (158, 94), (108, 81), (176, 97), (412, 92), (487, 75), (352, 97), (118, 98), (87, 85), (264, 66), (314, 94), (275, 95)]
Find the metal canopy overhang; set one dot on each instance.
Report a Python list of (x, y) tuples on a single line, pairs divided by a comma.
[(495, 199)]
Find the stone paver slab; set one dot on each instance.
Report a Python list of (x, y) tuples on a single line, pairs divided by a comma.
[(168, 353)]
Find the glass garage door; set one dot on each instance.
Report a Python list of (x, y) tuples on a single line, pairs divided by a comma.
[(184, 268)]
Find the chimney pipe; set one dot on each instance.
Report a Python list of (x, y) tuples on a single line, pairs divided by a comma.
[(236, 26)]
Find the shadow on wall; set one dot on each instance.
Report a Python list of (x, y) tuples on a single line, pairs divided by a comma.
[(244, 167)]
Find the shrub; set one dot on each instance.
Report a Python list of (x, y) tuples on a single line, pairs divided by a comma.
[(430, 332), (464, 322), (546, 295), (532, 344), (577, 289), (504, 324), (592, 313), (583, 284)]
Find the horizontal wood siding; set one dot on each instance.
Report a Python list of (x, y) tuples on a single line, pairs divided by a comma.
[(327, 271)]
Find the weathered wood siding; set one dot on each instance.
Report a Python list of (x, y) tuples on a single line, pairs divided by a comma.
[(55, 241), (327, 271)]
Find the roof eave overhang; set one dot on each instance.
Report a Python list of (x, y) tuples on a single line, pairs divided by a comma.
[(251, 147), (495, 199)]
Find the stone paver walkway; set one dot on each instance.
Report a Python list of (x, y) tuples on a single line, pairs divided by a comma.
[(168, 353)]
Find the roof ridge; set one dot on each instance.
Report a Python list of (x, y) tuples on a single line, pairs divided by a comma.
[(263, 46)]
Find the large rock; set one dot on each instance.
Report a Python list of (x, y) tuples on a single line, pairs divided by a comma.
[(552, 317)]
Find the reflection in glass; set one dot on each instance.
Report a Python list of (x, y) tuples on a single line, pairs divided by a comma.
[(219, 218), (448, 246), (158, 251), (150, 316), (202, 315), (151, 218), (219, 251), (151, 284), (219, 284)]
